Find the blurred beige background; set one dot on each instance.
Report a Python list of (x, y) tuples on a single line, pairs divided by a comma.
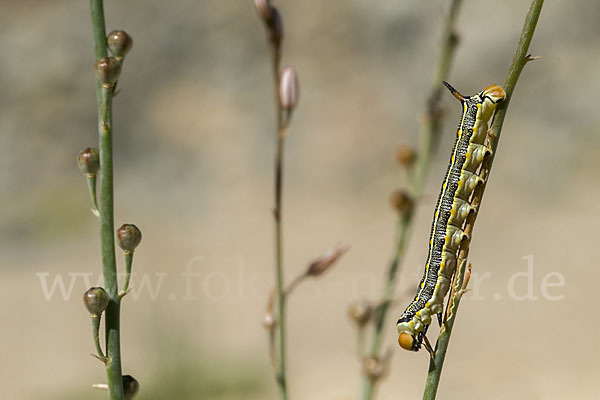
[(193, 158)]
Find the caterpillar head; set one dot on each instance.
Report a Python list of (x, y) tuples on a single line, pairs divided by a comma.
[(407, 341), (494, 93)]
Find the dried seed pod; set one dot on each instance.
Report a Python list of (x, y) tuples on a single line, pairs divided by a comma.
[(360, 312), (88, 161), (128, 237), (289, 89), (119, 43), (401, 201), (96, 300), (405, 155), (107, 71), (323, 263), (130, 387)]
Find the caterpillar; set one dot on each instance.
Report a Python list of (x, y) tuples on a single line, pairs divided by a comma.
[(452, 208)]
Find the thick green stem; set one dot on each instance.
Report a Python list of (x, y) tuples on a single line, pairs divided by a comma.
[(104, 99), (428, 137), (519, 60)]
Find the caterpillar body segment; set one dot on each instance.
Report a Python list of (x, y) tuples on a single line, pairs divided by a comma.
[(452, 208)]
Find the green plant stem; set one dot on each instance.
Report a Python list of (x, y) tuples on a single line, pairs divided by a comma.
[(428, 136), (95, 332), (91, 182), (280, 373), (432, 126), (112, 319), (128, 261), (518, 63)]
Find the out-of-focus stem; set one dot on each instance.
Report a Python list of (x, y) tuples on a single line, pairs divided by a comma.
[(104, 100), (428, 136), (277, 214), (519, 60)]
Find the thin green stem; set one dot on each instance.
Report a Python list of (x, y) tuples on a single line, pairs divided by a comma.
[(112, 319), (280, 373), (91, 182), (128, 261), (432, 126), (96, 335), (519, 60), (381, 310), (428, 136)]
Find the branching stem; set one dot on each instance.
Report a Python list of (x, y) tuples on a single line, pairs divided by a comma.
[(519, 60), (428, 136)]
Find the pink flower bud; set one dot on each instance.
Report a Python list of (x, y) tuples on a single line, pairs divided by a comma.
[(289, 89), (323, 263), (264, 9)]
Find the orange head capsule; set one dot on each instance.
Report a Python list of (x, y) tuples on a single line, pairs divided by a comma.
[(494, 93), (406, 341)]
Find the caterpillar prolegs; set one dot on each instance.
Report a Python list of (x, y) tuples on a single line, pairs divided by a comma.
[(452, 208)]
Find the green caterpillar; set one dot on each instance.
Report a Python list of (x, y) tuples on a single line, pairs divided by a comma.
[(452, 208)]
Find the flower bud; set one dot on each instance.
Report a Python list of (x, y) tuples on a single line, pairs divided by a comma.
[(107, 71), (128, 237), (88, 161), (269, 322), (323, 263), (401, 201), (375, 368), (405, 155), (360, 312), (119, 44), (264, 9), (289, 89), (130, 387), (96, 300)]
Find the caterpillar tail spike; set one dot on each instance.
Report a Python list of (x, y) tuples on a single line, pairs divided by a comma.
[(447, 232), (454, 92)]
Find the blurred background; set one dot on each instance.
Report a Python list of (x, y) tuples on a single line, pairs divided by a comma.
[(194, 144)]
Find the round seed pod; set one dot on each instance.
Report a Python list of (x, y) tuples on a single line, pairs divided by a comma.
[(375, 368), (401, 201), (108, 70), (130, 387), (119, 43), (406, 155), (128, 237), (88, 161), (96, 300), (360, 312)]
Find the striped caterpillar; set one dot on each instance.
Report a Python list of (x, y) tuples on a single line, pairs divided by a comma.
[(452, 208)]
